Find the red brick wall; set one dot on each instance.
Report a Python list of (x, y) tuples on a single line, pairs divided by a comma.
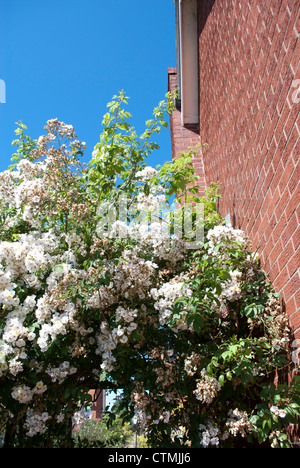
[(249, 53), (184, 137), (249, 107), (249, 74)]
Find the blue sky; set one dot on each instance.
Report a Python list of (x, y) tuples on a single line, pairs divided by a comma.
[(65, 59)]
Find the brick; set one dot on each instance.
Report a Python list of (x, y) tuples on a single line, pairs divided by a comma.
[(297, 293), (294, 64), (288, 252), (294, 318), (296, 237), (290, 309), (294, 263)]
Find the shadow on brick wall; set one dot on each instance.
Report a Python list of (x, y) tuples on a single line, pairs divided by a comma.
[(204, 8)]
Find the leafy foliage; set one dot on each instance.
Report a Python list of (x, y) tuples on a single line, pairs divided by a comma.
[(196, 338)]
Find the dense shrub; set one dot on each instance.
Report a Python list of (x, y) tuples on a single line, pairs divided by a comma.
[(105, 284)]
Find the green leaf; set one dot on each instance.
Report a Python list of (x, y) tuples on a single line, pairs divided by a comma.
[(198, 324), (221, 380), (146, 190), (103, 376), (225, 355)]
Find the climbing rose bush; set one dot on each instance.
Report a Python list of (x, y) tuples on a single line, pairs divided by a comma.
[(193, 336)]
